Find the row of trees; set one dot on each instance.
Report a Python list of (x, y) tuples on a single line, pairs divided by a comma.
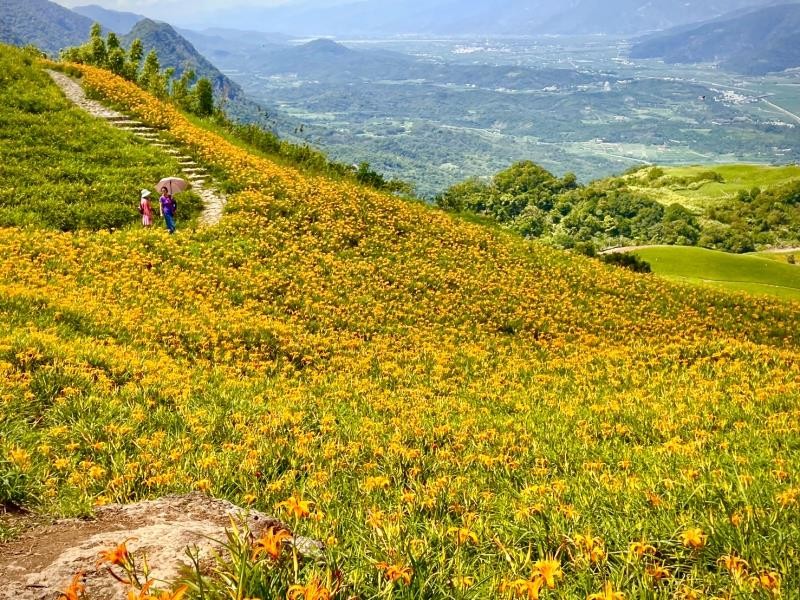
[(535, 203), (108, 53)]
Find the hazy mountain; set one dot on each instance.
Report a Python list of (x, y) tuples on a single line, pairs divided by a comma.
[(481, 17), (625, 17), (175, 51), (47, 25), (328, 62), (232, 45), (753, 43), (112, 20), (248, 36)]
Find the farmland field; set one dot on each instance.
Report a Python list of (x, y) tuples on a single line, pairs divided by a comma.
[(569, 104), (755, 274), (455, 412), (692, 187)]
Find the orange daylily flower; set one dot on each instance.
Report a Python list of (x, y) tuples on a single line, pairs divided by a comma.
[(463, 535), (271, 542), (296, 507), (75, 589), (115, 556), (396, 572), (735, 565), (608, 593), (657, 572), (313, 590), (694, 538), (548, 570), (639, 549), (768, 580), (523, 588)]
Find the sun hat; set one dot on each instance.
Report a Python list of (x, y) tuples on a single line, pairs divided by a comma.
[(145, 193)]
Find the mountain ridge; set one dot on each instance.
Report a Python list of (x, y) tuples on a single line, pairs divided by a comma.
[(119, 22), (176, 51), (44, 24), (754, 43)]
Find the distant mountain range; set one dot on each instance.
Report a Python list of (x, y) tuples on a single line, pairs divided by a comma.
[(117, 21), (753, 43), (480, 17), (326, 61), (46, 25)]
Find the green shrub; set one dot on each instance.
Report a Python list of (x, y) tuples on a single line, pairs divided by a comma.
[(626, 260)]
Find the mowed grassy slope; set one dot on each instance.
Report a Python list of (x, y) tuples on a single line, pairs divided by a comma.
[(750, 273), (698, 193), (61, 168), (451, 401)]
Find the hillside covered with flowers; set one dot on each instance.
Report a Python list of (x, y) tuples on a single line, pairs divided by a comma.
[(454, 411)]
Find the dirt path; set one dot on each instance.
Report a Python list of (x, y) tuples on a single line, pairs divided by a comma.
[(622, 249), (780, 250), (213, 201)]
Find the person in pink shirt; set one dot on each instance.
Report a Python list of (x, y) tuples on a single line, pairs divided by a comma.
[(145, 209)]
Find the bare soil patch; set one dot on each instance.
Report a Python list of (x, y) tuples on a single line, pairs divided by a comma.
[(40, 563)]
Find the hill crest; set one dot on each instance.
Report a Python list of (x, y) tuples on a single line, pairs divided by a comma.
[(176, 51), (44, 24), (755, 43), (119, 22)]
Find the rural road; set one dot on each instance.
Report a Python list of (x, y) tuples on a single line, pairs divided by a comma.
[(622, 249)]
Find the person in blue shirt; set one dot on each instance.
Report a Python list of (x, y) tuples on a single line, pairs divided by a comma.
[(167, 206)]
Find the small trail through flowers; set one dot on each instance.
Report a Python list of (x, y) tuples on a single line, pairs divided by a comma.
[(213, 201)]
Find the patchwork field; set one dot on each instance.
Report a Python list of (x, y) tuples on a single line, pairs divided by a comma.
[(701, 186), (755, 274), (453, 411)]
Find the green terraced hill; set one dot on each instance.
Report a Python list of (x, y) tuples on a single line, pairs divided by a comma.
[(750, 273)]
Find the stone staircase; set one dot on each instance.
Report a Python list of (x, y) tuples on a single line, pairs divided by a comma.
[(213, 200)]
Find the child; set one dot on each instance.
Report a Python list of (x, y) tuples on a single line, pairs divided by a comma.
[(167, 207), (145, 209)]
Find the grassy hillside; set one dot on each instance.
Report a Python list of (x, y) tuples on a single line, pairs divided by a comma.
[(453, 410), (700, 186), (62, 168), (751, 273), (791, 256)]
